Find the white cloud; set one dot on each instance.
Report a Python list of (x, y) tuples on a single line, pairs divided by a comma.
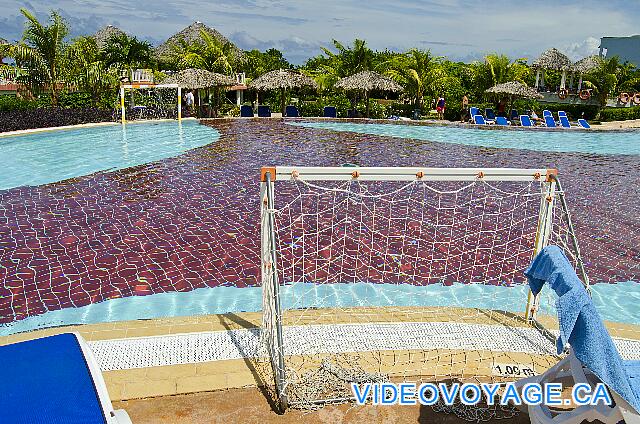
[(587, 47)]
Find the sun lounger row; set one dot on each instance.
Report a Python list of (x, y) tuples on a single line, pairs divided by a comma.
[(264, 111), (525, 120)]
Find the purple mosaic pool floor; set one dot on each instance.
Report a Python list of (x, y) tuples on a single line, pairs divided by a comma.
[(192, 221)]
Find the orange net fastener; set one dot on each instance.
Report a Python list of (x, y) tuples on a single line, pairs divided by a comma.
[(355, 174), (419, 174), (480, 175), (536, 176), (295, 174)]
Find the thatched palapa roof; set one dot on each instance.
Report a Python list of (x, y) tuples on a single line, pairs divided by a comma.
[(104, 34), (368, 81), (199, 78), (284, 79), (191, 34), (553, 59), (587, 64), (515, 88)]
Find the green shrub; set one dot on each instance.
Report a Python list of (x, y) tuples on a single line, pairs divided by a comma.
[(619, 113), (11, 103)]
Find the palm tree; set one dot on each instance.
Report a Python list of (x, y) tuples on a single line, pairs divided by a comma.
[(125, 53), (210, 54), (86, 69), (604, 79), (350, 60), (420, 73), (498, 69), (42, 53)]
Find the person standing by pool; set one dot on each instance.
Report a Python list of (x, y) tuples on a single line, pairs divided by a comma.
[(440, 106), (464, 115), (189, 100)]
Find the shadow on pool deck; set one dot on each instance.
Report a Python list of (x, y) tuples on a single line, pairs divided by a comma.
[(249, 406)]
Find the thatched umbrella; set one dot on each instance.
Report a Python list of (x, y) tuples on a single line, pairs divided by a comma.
[(282, 79), (367, 81), (555, 60), (515, 89), (191, 34), (196, 79), (104, 34), (585, 65)]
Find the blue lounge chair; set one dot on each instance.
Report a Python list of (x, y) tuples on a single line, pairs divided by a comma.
[(561, 113), (473, 111), (546, 113), (246, 111), (549, 122), (514, 115), (525, 121), (584, 124), (490, 114), (501, 120), (330, 112), (264, 111), (564, 121), (292, 112), (479, 120), (54, 379), (592, 358)]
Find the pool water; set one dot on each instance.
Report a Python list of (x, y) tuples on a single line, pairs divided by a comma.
[(614, 302), (596, 142), (51, 156)]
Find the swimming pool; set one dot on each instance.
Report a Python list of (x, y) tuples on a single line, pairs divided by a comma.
[(51, 156), (600, 142), (184, 231), (614, 302)]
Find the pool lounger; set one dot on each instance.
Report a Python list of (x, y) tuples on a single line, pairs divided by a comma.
[(584, 124), (564, 121), (501, 120), (479, 120), (264, 111), (292, 112), (592, 358), (525, 121), (246, 111), (54, 379), (550, 122), (330, 112)]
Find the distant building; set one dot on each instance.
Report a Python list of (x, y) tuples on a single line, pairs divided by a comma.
[(627, 48)]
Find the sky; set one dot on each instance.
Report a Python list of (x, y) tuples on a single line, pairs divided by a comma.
[(459, 29)]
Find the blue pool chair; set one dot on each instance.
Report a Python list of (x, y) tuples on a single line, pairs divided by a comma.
[(292, 112), (546, 113), (54, 379), (564, 121), (550, 122), (584, 124), (479, 120), (593, 356), (246, 111), (473, 111), (490, 114), (525, 121), (264, 111), (561, 113), (514, 115), (330, 112), (501, 120)]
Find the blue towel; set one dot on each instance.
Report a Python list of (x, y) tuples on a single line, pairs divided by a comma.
[(581, 325)]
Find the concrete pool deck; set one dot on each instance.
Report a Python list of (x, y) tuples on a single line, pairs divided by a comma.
[(171, 336)]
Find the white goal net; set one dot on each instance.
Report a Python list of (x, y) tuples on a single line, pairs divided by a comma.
[(404, 274)]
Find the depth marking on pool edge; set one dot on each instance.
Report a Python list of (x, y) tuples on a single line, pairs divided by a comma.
[(176, 349)]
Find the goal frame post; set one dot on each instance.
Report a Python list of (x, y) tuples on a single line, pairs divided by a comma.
[(272, 312)]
